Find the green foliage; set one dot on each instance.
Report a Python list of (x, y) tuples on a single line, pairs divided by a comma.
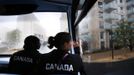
[(123, 35), (13, 36)]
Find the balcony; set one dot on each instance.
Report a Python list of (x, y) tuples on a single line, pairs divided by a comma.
[(130, 11), (110, 26), (108, 1), (110, 17), (130, 3), (110, 7), (100, 10), (131, 19), (107, 26)]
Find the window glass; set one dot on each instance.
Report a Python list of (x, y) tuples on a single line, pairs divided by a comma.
[(120, 1), (107, 35), (14, 29), (102, 35)]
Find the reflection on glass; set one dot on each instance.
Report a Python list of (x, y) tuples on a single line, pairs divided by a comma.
[(14, 29)]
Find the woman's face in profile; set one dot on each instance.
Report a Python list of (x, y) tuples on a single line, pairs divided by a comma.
[(68, 45)]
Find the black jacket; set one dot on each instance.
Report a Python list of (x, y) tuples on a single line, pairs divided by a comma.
[(24, 62), (57, 62)]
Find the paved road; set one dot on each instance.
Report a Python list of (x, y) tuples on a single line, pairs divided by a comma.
[(125, 67)]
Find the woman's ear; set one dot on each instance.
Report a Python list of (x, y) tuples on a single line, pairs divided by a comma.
[(65, 46), (68, 45)]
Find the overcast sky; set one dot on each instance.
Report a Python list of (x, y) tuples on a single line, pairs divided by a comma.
[(49, 21)]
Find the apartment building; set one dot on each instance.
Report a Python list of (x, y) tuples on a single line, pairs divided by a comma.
[(99, 22), (114, 11), (89, 30)]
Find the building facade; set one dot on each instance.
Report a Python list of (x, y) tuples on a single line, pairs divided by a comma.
[(130, 10), (114, 12), (96, 28)]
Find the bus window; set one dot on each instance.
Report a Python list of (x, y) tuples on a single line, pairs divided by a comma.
[(107, 33), (14, 28)]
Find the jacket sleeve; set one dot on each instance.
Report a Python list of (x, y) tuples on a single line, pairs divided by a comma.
[(82, 69)]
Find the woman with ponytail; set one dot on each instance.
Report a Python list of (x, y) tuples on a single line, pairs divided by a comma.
[(60, 61)]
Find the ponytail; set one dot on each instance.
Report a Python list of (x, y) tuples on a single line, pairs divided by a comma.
[(51, 42), (59, 40)]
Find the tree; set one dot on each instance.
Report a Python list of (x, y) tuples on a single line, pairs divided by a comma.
[(124, 35), (13, 36)]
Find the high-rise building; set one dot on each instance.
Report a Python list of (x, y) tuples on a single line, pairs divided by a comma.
[(99, 22), (114, 11)]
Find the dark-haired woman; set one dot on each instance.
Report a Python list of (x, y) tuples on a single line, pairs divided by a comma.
[(60, 61)]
